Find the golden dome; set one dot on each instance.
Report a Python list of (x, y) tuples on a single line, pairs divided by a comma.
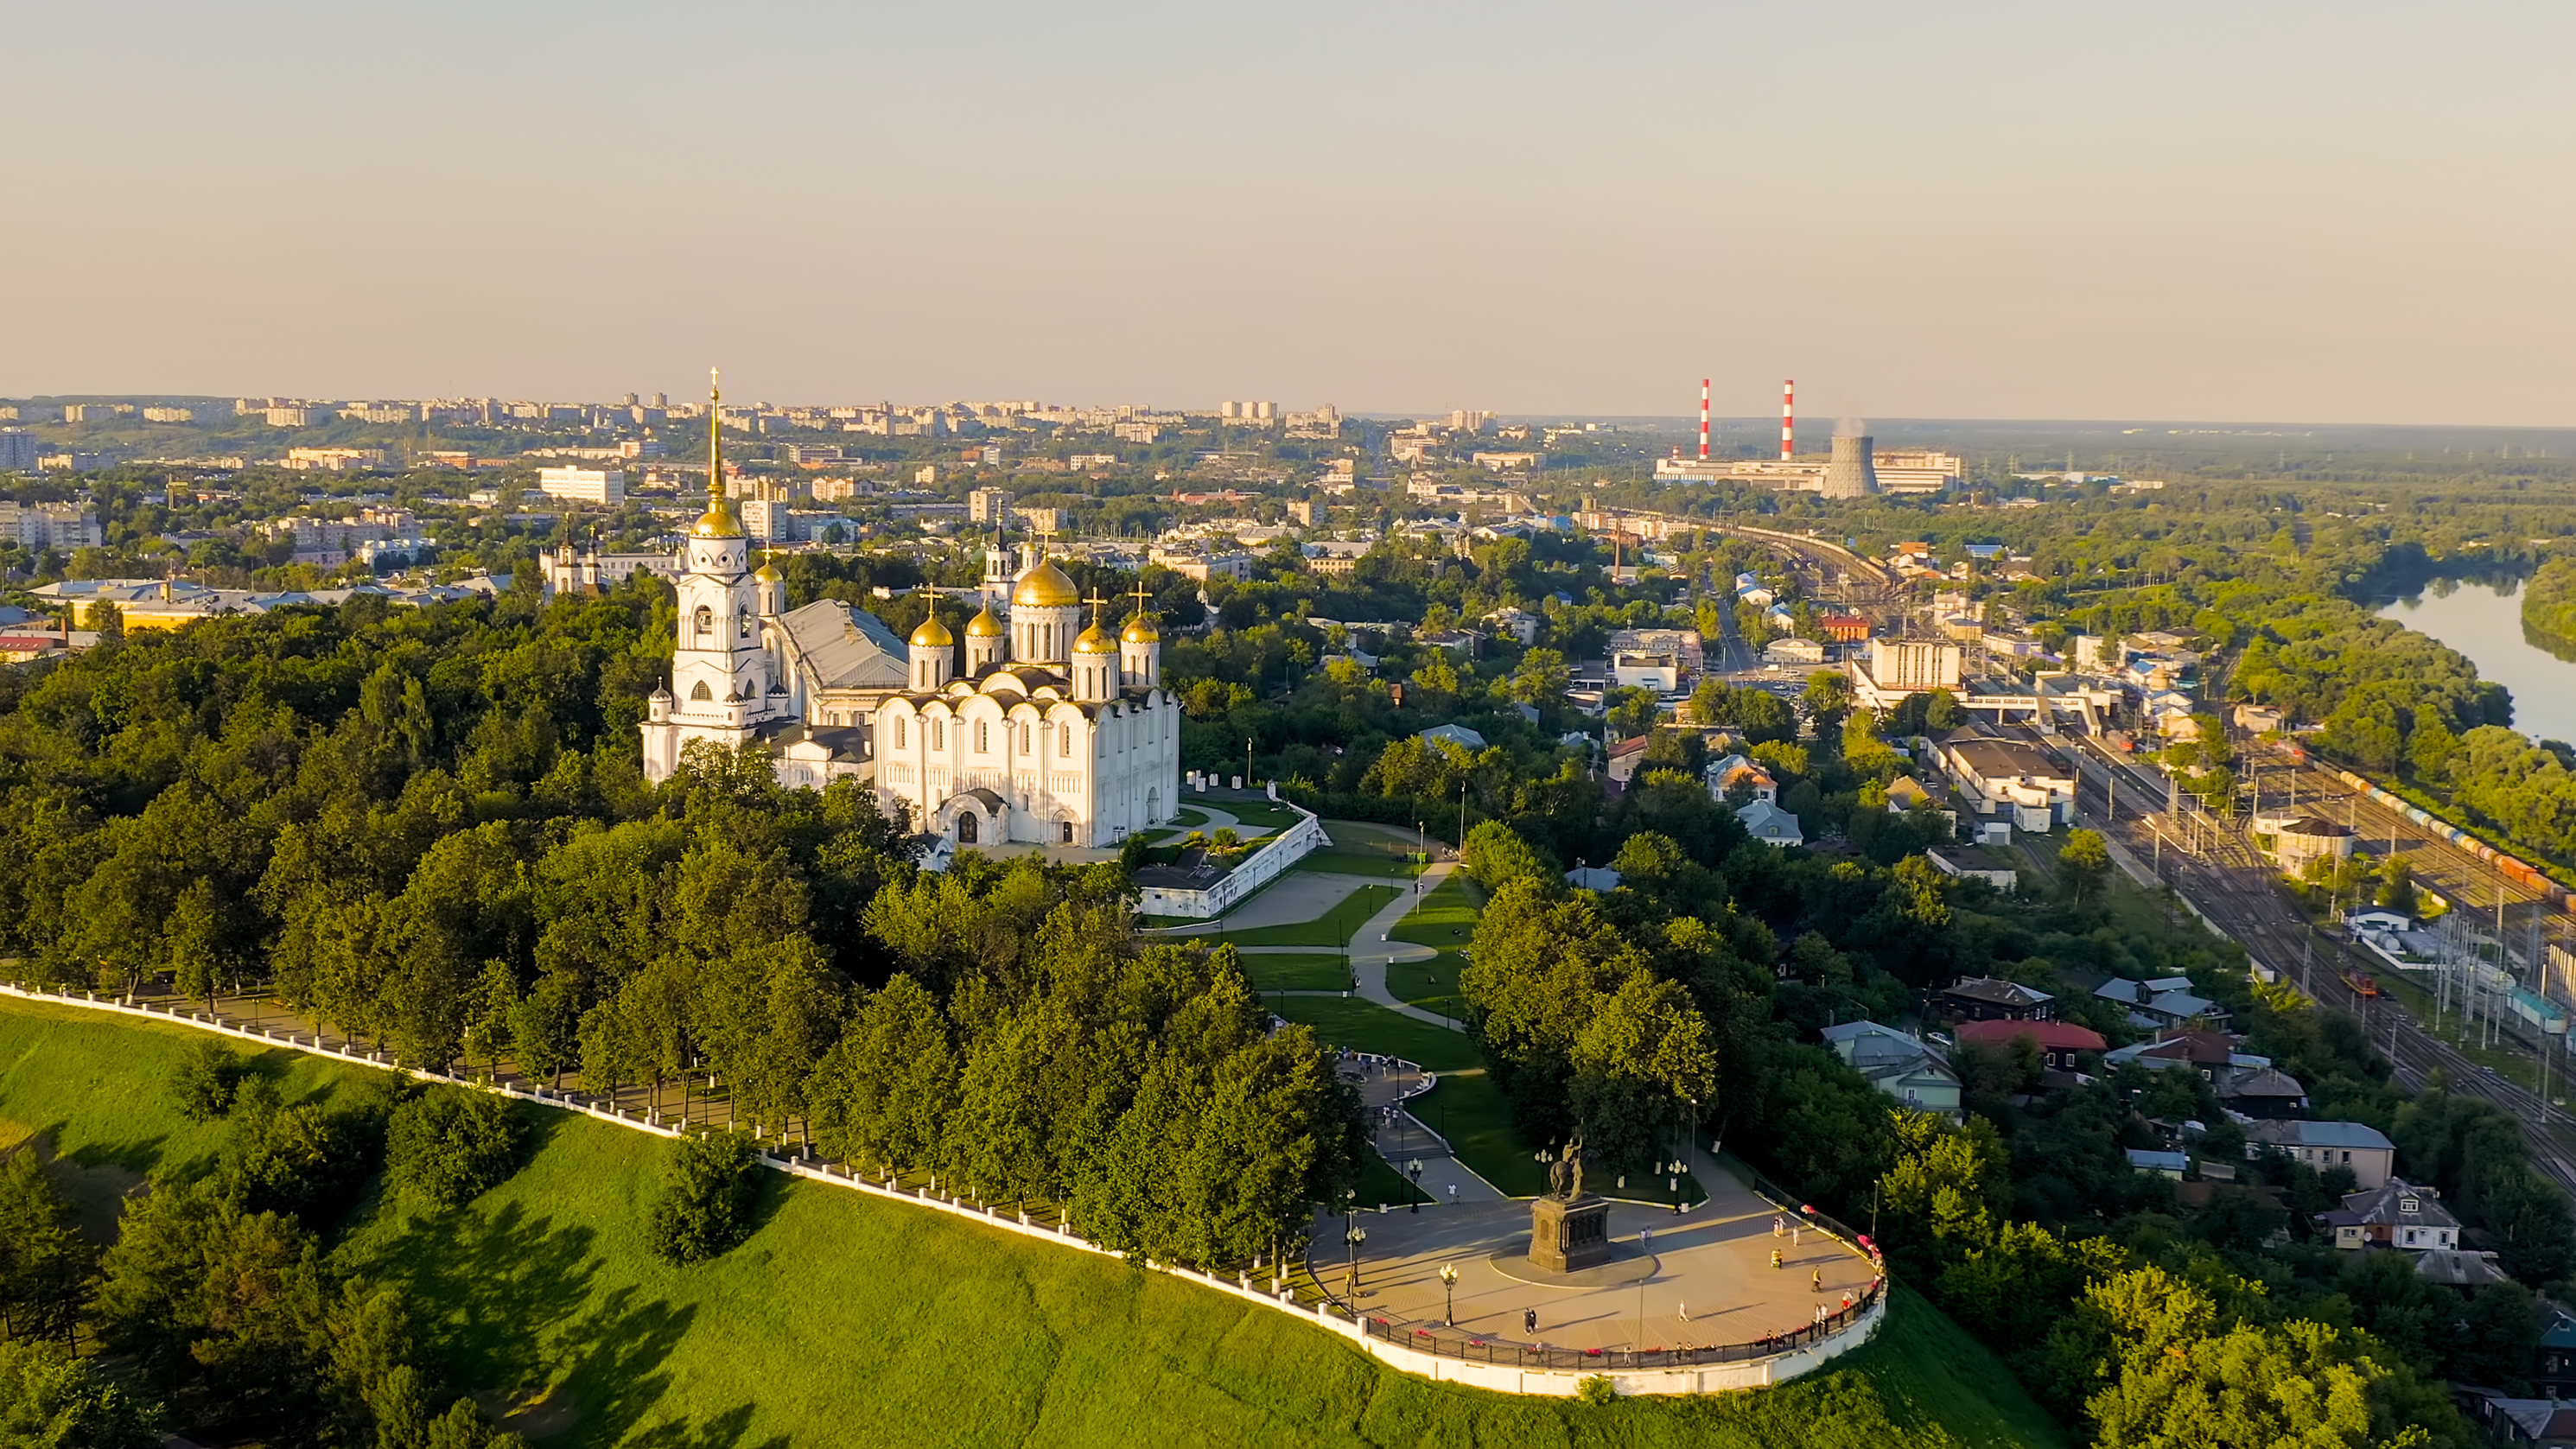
[(1140, 630), (984, 625), (718, 521), (933, 635), (767, 573), (1045, 587), (1092, 641)]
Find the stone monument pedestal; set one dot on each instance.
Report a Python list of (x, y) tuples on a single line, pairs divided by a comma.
[(1567, 1236)]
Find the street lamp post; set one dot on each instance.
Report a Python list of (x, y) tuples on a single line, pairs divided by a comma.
[(1449, 1280)]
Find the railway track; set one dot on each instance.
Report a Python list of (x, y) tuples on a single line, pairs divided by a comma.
[(2213, 865)]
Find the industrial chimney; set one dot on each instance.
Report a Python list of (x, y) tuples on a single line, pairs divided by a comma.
[(1852, 473), (1788, 420)]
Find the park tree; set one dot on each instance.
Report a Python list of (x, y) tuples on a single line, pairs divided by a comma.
[(448, 1146), (704, 1207), (48, 1397), (44, 1260)]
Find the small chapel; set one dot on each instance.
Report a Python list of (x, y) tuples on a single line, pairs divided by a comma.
[(1049, 732)]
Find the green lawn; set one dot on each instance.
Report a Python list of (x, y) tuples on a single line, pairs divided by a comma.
[(1253, 810), (1300, 972), (1447, 918), (846, 1319), (1366, 1027), (1431, 985), (1477, 1119), (1358, 862), (1380, 1183), (1334, 928)]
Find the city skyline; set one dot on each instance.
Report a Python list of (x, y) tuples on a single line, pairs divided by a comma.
[(2003, 212)]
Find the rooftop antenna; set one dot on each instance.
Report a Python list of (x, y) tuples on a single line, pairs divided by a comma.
[(1788, 419)]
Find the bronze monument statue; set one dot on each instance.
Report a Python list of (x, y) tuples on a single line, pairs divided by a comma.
[(1569, 1229)]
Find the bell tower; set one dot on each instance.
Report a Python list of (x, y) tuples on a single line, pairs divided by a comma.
[(720, 686)]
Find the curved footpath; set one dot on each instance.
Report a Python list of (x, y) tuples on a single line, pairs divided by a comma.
[(1634, 1377)]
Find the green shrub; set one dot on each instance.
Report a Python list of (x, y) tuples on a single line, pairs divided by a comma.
[(449, 1146), (202, 1085), (1598, 1389), (705, 1204)]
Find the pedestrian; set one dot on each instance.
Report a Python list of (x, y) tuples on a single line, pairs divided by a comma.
[(1529, 1321), (1779, 1226), (1816, 1283), (1775, 1257), (1684, 1310)]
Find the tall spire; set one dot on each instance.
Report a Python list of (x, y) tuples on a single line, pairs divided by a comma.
[(715, 439)]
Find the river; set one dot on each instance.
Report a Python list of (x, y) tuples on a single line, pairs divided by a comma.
[(2484, 622)]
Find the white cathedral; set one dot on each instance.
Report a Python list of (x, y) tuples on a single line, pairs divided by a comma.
[(1051, 734)]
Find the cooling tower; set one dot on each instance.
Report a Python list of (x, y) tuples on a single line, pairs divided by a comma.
[(1851, 473)]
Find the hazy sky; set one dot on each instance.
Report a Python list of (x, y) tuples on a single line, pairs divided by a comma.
[(2339, 211)]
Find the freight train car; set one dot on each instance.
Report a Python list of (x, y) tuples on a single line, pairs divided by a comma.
[(2520, 872)]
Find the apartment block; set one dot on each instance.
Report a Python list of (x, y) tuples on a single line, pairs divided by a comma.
[(605, 487)]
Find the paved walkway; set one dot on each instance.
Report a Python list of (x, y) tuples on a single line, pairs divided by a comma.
[(1698, 1278), (1291, 900), (1375, 947), (1401, 1138)]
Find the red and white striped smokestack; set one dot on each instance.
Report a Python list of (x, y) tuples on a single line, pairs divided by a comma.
[(1703, 419), (1788, 419)]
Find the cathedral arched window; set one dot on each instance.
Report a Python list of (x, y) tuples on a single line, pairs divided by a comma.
[(742, 623), (700, 691), (938, 735), (1064, 741), (983, 740), (898, 732), (1024, 738), (706, 618)]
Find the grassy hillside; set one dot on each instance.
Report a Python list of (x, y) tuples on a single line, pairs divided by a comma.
[(848, 1320)]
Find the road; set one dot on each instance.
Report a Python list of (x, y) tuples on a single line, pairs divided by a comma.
[(2210, 862)]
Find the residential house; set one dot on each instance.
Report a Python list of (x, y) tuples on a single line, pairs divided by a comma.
[(1897, 1064), (1456, 734), (2536, 1423), (2395, 1214), (2458, 1268), (2057, 1041), (2553, 1366), (1771, 825), (1904, 793), (2264, 1093), (2164, 1002), (1626, 758), (2162, 1164), (1983, 998), (2321, 1145), (1518, 623), (1724, 775)]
